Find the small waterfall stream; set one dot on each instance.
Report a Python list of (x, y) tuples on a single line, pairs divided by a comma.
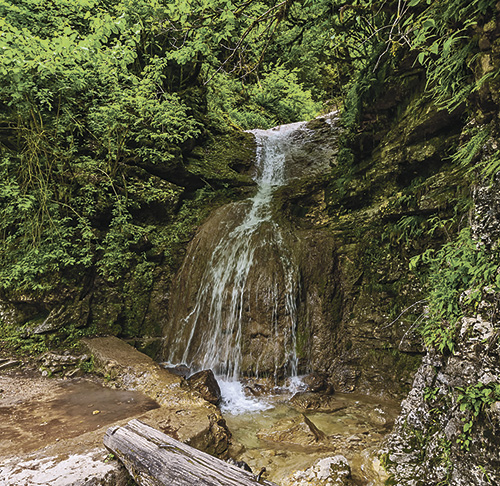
[(224, 299), (243, 302)]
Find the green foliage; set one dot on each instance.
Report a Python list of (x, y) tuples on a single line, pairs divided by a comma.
[(473, 157), (439, 38), (473, 400), (82, 102), (13, 340), (430, 393), (89, 365), (467, 154), (277, 99), (91, 88), (458, 274), (446, 54), (407, 229)]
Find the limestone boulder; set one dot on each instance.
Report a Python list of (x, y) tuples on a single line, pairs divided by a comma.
[(330, 471), (426, 444)]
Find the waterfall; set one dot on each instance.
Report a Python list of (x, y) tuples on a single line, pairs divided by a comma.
[(236, 297)]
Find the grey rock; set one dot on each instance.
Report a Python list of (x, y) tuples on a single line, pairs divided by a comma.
[(424, 446), (330, 471)]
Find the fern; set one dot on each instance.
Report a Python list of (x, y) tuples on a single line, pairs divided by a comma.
[(458, 274)]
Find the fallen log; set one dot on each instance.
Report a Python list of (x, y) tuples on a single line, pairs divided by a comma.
[(155, 459)]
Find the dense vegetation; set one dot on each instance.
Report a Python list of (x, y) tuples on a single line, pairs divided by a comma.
[(94, 94)]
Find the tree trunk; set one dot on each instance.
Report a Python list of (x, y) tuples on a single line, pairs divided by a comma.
[(155, 459)]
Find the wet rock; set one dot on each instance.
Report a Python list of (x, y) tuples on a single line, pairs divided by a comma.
[(296, 269), (183, 414), (318, 434), (180, 370), (260, 386), (262, 346), (316, 401), (297, 430), (317, 382), (255, 389), (218, 438), (241, 464), (206, 385), (330, 471)]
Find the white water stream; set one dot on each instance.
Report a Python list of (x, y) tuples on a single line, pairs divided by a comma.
[(223, 290), (236, 297)]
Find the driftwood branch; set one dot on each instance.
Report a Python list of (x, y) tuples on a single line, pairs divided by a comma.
[(155, 459)]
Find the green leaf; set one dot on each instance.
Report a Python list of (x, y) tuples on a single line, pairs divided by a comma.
[(429, 23)]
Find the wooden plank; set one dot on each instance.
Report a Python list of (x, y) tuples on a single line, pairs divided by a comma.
[(156, 459)]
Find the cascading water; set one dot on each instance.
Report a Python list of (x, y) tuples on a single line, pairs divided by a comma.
[(223, 293), (235, 302)]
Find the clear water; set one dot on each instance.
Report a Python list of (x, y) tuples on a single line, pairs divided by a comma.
[(349, 430)]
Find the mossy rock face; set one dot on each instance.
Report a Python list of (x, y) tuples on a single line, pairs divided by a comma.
[(375, 213), (225, 159)]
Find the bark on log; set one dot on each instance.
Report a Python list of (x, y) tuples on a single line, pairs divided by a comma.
[(156, 459)]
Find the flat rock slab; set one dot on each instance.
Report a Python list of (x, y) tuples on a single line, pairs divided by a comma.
[(36, 411), (155, 459), (82, 460), (124, 365), (183, 414)]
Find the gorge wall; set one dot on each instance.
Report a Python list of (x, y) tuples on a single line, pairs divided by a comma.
[(446, 433), (351, 231), (373, 213)]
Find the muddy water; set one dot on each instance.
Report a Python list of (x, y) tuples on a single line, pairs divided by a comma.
[(276, 438), (35, 412)]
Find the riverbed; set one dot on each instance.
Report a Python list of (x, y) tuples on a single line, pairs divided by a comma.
[(278, 432)]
